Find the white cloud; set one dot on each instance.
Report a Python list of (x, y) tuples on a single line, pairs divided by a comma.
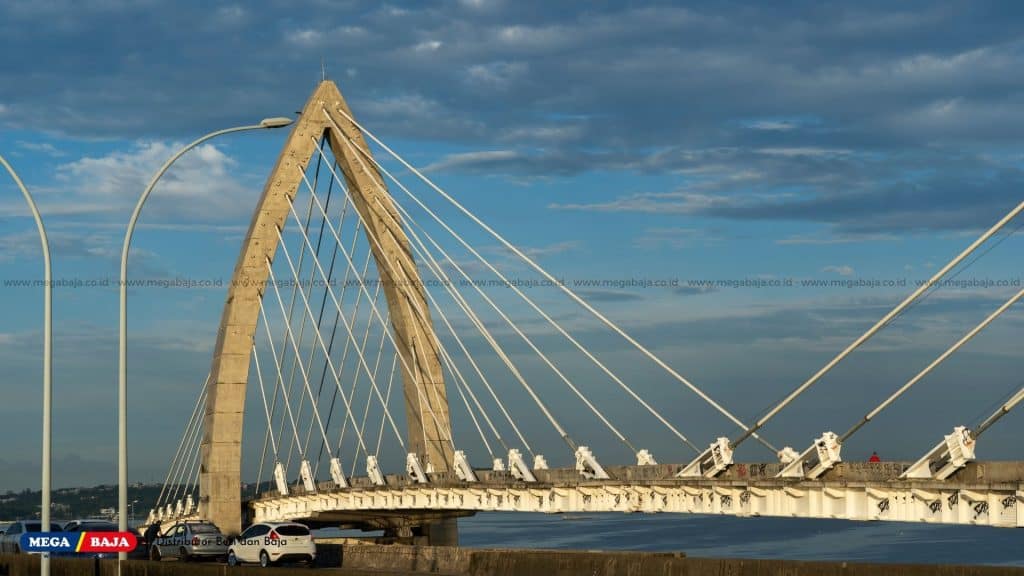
[(348, 32), (551, 249), (68, 244), (496, 75), (42, 147), (800, 239), (658, 203), (394, 11), (169, 226), (416, 113), (428, 46), (304, 37), (311, 37), (843, 270), (805, 151), (532, 37), (771, 125), (18, 245), (199, 186), (467, 159), (59, 207), (674, 238), (231, 15), (408, 105), (556, 133), (61, 8)]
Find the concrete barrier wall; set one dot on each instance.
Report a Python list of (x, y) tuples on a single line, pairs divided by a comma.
[(450, 560), (470, 562), (28, 564), (371, 559), (734, 567)]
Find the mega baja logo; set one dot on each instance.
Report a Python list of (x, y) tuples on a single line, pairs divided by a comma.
[(109, 542)]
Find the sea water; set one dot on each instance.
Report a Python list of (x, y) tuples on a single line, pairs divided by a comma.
[(763, 537)]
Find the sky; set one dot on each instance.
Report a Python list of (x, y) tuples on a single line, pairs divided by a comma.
[(620, 143)]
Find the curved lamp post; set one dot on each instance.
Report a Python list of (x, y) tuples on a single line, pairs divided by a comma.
[(44, 512), (122, 389)]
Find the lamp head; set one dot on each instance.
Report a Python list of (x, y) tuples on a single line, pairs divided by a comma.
[(277, 122)]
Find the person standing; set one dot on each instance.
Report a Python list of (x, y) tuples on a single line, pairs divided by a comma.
[(151, 533)]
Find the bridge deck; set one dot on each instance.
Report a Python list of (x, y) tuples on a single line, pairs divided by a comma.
[(983, 493)]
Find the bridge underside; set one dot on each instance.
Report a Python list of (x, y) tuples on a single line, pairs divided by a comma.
[(381, 519), (989, 494), (410, 526)]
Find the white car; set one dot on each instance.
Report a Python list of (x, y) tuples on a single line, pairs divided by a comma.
[(272, 542)]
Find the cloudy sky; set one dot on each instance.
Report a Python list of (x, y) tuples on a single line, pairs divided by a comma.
[(701, 141)]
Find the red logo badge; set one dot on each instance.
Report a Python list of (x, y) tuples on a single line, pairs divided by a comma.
[(107, 542)]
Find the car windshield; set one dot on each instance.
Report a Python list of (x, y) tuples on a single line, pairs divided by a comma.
[(204, 529), (293, 530), (38, 527)]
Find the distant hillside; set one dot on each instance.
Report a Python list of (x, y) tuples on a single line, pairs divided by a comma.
[(71, 503), (95, 502)]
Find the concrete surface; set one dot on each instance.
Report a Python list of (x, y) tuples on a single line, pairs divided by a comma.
[(369, 559)]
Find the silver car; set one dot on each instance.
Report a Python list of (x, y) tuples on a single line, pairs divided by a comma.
[(10, 543), (190, 541)]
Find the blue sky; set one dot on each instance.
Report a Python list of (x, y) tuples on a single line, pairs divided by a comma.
[(669, 140)]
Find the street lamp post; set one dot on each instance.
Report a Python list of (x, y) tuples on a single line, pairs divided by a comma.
[(122, 388), (44, 513)]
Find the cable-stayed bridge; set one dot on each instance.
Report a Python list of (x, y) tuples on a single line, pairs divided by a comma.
[(407, 371)]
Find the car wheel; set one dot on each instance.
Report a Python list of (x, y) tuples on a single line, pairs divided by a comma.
[(232, 559), (264, 558), (154, 554)]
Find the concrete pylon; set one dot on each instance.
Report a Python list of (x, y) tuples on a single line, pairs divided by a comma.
[(426, 401)]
